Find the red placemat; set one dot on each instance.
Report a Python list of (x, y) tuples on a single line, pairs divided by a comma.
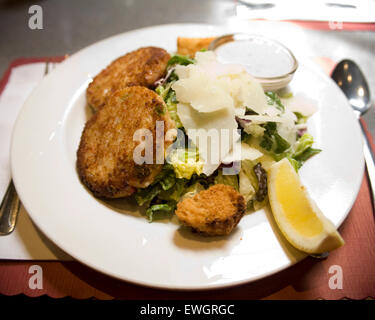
[(309, 279), (23, 61), (334, 25)]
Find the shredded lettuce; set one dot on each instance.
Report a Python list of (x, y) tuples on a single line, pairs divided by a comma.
[(245, 186), (253, 183), (276, 144), (205, 181), (162, 196), (160, 211), (273, 99), (180, 59), (182, 177), (307, 154), (175, 193), (168, 181), (247, 166), (163, 181), (146, 195), (185, 163), (169, 97), (230, 180), (301, 119), (300, 152), (272, 141), (270, 130), (254, 130), (295, 164), (303, 149), (281, 144), (163, 90), (167, 93), (246, 137), (305, 142), (266, 142), (285, 94), (192, 191)]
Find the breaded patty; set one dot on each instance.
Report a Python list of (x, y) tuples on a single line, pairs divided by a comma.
[(215, 211), (105, 156), (141, 67)]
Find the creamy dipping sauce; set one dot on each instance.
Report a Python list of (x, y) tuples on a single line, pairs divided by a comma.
[(261, 57)]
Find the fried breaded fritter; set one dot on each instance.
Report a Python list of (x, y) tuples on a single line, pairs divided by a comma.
[(215, 211), (142, 67), (189, 46), (105, 156)]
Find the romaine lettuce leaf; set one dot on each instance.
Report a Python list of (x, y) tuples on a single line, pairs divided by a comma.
[(180, 59), (169, 97), (192, 190), (307, 154), (245, 186), (160, 211), (163, 181), (253, 181), (273, 99), (146, 195), (230, 180), (174, 193), (185, 163), (303, 143), (281, 144), (267, 141), (301, 119), (295, 163), (302, 151), (168, 181)]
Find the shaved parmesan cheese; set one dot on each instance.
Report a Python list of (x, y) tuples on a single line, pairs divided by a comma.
[(257, 119), (209, 86), (249, 153), (301, 103), (239, 112), (192, 119), (213, 133), (210, 95), (272, 111), (203, 93), (181, 71), (251, 94), (242, 151), (287, 128)]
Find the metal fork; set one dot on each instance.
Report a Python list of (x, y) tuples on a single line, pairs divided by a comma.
[(10, 205)]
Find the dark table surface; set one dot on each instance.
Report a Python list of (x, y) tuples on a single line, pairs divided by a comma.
[(71, 25)]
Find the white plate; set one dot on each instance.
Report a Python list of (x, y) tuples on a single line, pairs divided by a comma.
[(119, 241)]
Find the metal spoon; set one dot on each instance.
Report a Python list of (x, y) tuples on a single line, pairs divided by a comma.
[(352, 82), (9, 208)]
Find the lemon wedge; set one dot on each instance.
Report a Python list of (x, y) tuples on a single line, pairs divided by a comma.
[(297, 215)]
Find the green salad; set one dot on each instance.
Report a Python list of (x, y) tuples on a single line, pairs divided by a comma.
[(275, 134)]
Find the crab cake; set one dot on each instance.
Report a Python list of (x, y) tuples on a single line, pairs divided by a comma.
[(215, 211), (142, 67), (105, 156)]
